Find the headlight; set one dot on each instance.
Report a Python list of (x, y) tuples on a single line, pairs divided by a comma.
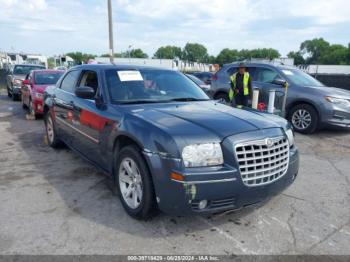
[(290, 136), (200, 155), (338, 101), (17, 82), (38, 95)]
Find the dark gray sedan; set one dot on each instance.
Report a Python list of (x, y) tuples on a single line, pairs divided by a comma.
[(310, 104), (165, 144)]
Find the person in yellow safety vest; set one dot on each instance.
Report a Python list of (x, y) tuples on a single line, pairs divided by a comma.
[(241, 87)]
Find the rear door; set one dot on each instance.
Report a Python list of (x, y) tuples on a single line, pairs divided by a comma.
[(263, 79), (64, 105)]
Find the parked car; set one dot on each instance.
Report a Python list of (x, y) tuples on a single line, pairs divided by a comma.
[(199, 82), (33, 87), (165, 144), (16, 76), (310, 105), (206, 77)]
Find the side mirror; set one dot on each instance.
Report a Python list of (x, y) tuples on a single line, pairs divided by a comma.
[(85, 92), (279, 82), (26, 82)]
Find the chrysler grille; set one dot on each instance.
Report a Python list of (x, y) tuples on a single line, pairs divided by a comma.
[(263, 161)]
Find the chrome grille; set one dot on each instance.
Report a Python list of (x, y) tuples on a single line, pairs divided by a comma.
[(263, 161)]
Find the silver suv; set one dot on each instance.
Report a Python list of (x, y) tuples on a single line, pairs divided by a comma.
[(310, 105)]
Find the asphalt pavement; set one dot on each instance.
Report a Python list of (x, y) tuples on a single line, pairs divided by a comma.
[(53, 202)]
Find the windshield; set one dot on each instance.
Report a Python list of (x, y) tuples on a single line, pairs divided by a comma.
[(151, 86), (25, 70), (47, 78), (298, 77)]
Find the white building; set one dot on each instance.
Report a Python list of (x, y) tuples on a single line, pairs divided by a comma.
[(163, 63)]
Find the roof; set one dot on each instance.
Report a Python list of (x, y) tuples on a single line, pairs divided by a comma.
[(280, 66), (116, 66), (47, 70)]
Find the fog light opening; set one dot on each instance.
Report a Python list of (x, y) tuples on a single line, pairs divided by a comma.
[(203, 204)]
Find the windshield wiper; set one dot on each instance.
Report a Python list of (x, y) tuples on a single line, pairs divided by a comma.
[(188, 99), (139, 102)]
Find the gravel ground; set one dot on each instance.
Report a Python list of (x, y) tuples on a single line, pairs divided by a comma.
[(52, 202)]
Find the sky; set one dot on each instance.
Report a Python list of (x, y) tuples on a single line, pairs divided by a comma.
[(53, 27)]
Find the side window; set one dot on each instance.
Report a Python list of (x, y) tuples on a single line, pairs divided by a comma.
[(69, 81), (232, 70), (89, 78), (265, 75)]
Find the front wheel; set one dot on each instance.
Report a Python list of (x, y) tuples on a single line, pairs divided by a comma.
[(134, 183), (9, 94), (51, 133), (304, 118)]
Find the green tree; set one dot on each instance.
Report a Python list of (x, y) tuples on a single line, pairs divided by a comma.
[(227, 56), (51, 62), (298, 58), (195, 53), (168, 52), (80, 57), (138, 53), (314, 49), (266, 53), (335, 54)]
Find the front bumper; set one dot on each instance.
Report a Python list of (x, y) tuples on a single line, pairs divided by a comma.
[(222, 187), (335, 116), (16, 90)]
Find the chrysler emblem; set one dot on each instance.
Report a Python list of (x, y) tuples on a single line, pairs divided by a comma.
[(268, 142)]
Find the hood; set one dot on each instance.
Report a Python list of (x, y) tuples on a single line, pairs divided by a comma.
[(331, 91), (201, 118), (40, 88)]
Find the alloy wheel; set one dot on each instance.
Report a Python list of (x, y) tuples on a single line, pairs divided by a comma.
[(301, 119), (130, 183), (49, 130)]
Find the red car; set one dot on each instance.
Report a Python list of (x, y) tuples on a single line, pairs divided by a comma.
[(33, 88)]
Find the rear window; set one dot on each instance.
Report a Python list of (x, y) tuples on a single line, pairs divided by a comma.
[(47, 78), (25, 70)]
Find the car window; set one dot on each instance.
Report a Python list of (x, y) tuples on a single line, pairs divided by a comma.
[(89, 78), (265, 75), (47, 78), (234, 69), (154, 85), (24, 69), (69, 81)]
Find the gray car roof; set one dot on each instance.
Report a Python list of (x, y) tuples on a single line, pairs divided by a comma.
[(270, 65), (117, 66)]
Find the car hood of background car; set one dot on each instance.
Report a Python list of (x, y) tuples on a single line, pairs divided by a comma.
[(199, 118), (332, 91)]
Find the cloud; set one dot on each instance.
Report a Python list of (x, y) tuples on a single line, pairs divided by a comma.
[(52, 27)]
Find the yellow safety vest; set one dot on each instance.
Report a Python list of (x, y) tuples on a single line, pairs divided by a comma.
[(245, 85)]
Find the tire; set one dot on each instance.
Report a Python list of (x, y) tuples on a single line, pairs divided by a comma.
[(133, 183), (304, 118), (9, 94), (222, 96), (51, 133), (15, 97)]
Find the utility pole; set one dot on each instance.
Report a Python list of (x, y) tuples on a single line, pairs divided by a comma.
[(110, 26)]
